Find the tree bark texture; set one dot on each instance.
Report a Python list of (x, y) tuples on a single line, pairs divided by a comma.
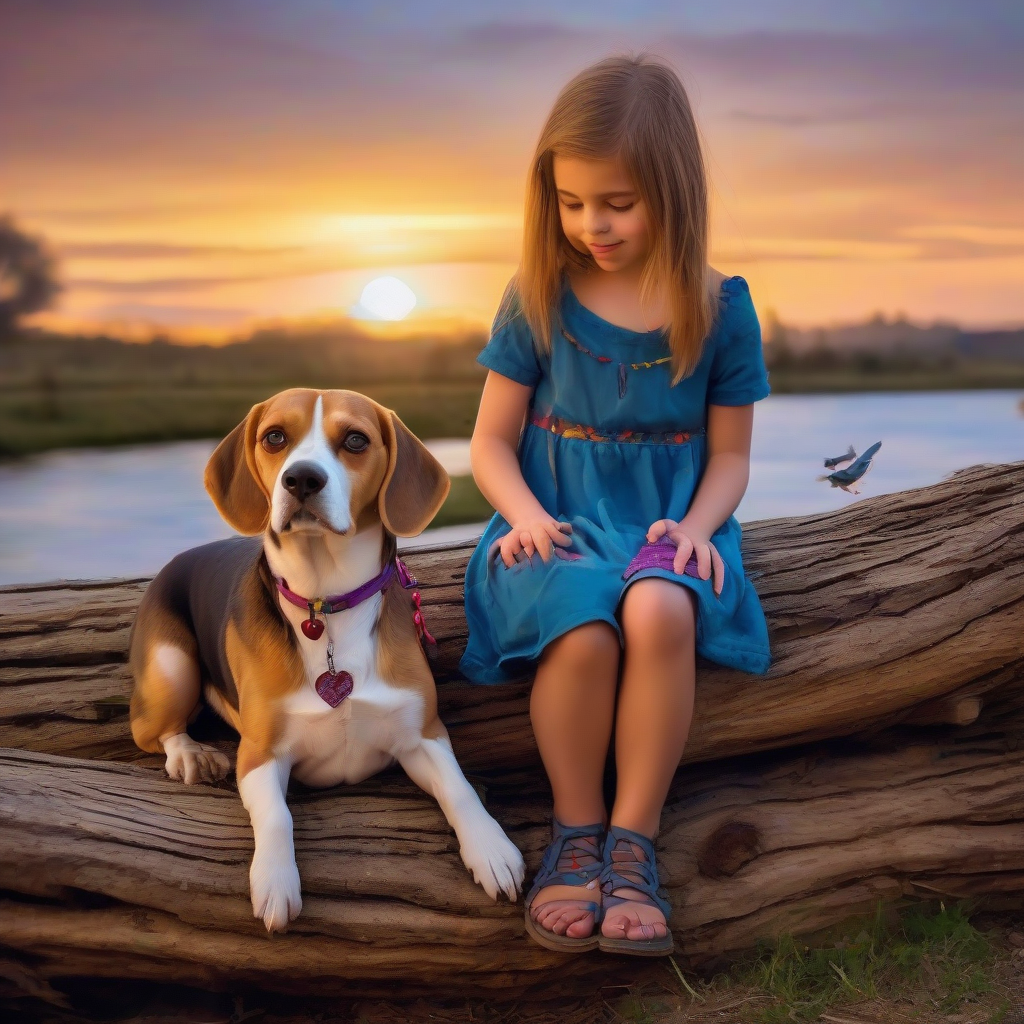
[(905, 605), (111, 870), (896, 632)]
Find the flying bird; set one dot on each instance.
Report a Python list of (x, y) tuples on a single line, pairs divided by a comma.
[(846, 478), (848, 457)]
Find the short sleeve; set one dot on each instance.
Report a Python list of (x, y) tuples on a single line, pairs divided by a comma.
[(511, 350), (738, 375)]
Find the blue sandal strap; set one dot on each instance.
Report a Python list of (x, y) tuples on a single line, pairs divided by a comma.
[(647, 883), (548, 873)]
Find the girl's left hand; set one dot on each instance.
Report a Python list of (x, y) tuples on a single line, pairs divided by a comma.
[(688, 541)]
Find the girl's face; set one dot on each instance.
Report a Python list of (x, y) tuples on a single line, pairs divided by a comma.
[(602, 213)]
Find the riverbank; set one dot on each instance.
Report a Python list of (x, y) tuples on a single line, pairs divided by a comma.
[(850, 378), (62, 392), (125, 510), (36, 419)]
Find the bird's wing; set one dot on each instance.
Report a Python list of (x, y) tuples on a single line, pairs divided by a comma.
[(850, 455), (863, 464)]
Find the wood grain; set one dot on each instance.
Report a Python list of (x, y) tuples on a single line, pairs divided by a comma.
[(873, 611), (896, 631), (120, 872)]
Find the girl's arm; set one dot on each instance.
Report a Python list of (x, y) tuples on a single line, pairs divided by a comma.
[(492, 453), (719, 493)]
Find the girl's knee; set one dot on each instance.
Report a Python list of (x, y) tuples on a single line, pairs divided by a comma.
[(659, 614), (592, 644)]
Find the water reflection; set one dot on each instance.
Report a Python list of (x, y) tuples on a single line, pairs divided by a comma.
[(125, 512)]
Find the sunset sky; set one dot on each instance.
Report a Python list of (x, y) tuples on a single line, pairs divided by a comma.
[(208, 164)]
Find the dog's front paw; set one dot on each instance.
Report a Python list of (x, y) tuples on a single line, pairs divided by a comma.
[(493, 860), (275, 890), (191, 762)]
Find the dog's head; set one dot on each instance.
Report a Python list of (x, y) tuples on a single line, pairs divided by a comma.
[(324, 461)]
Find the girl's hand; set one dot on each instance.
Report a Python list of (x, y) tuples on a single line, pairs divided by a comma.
[(537, 535), (688, 541)]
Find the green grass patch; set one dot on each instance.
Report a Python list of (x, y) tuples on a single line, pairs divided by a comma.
[(937, 949), (35, 419), (465, 504), (634, 1009), (66, 392)]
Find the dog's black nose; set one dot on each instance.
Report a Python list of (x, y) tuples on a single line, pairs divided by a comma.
[(303, 479)]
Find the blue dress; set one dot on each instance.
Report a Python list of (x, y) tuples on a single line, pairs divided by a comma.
[(610, 447)]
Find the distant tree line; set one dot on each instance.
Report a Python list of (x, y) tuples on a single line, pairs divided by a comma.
[(28, 276), (879, 345), (29, 283)]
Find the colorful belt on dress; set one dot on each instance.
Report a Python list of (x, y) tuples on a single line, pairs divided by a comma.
[(566, 428)]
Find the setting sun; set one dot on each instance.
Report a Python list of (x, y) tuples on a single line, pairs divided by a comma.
[(387, 298)]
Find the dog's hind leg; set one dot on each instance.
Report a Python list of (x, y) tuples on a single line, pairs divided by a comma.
[(165, 697)]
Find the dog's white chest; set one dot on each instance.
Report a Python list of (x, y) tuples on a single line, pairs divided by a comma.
[(363, 734)]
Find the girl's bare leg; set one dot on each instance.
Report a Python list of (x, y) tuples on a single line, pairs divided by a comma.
[(652, 722), (571, 707)]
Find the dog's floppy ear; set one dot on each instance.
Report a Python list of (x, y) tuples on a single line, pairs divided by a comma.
[(232, 481), (415, 483)]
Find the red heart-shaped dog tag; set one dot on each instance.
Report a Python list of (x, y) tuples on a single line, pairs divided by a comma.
[(334, 687), (313, 628)]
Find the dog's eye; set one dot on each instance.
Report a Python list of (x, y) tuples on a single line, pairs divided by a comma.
[(356, 442), (274, 440)]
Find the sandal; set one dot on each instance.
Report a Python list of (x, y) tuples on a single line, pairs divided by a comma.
[(630, 872), (568, 846)]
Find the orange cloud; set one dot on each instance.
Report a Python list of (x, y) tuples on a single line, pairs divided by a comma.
[(213, 165)]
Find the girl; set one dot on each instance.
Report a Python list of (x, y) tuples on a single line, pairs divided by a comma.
[(613, 439)]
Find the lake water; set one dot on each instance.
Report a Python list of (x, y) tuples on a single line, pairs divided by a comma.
[(125, 511)]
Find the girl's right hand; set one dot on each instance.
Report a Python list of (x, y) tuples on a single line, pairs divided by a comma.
[(539, 535)]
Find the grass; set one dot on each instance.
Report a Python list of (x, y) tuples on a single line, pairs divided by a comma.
[(924, 965), (36, 419), (934, 948), (97, 417), (60, 391), (65, 392), (465, 504), (929, 965)]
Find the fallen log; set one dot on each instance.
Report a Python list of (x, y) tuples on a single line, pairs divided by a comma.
[(111, 870), (902, 609), (902, 606)]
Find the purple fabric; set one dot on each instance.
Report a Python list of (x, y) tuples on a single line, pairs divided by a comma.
[(659, 555), (405, 577), (342, 601)]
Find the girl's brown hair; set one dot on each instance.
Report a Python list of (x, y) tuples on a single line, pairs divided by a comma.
[(635, 107)]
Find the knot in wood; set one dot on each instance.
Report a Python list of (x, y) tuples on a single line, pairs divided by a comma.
[(728, 848)]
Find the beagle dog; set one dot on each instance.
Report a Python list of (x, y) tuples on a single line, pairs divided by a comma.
[(323, 688)]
